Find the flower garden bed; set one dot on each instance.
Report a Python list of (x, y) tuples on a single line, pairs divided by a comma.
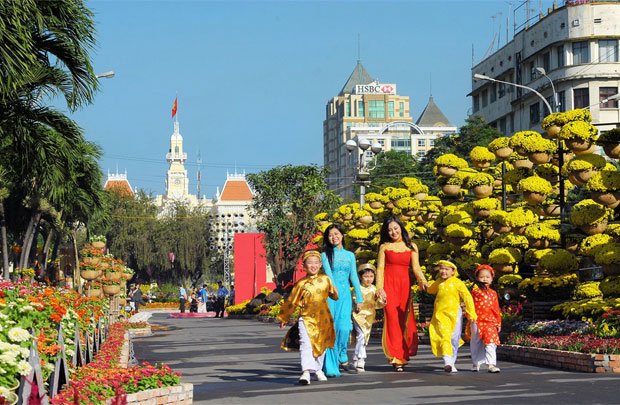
[(564, 360)]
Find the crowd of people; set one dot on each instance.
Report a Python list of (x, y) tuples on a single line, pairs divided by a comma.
[(343, 298), (200, 300)]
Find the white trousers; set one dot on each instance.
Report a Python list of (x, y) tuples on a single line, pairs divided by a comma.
[(202, 307), (481, 353), (360, 343), (456, 336), (308, 361)]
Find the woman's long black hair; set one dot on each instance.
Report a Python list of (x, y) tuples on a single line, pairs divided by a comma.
[(385, 236), (328, 248)]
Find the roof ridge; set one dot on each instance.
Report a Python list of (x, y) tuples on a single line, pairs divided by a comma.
[(432, 116), (358, 76)]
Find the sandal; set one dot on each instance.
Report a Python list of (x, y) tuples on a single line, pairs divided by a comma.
[(398, 368)]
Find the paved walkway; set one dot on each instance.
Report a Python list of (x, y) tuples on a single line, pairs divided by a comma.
[(233, 361)]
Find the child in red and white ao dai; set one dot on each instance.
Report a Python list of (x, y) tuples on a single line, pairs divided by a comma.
[(485, 330)]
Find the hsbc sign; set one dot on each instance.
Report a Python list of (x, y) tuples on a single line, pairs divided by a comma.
[(375, 88)]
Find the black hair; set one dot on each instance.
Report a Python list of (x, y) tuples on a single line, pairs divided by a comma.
[(385, 236), (366, 270), (328, 248)]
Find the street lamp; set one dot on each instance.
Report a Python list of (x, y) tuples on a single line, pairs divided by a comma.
[(478, 76), (105, 75), (556, 105), (363, 172)]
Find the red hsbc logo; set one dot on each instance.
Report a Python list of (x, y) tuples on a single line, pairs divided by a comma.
[(387, 88)]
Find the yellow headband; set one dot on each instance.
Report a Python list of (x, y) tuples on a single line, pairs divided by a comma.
[(310, 253), (447, 264)]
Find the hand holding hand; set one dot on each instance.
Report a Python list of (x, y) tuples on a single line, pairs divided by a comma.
[(423, 285), (381, 294), (359, 307), (282, 325)]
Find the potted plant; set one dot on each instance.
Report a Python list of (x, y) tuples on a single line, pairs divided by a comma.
[(452, 185), (520, 161), (111, 287), (458, 234), (498, 219), (609, 258), (552, 123), (504, 260), (93, 290), (481, 184), (394, 194), (89, 271), (610, 141), (481, 157), (590, 216), (418, 190), (448, 164), (539, 149), (520, 218), (376, 200), (590, 245), (550, 207), (559, 261), (604, 186), (363, 218), (127, 273), (409, 206), (535, 189), (582, 167), (98, 241), (516, 141), (541, 235), (485, 206), (549, 172), (500, 147), (579, 136), (431, 206)]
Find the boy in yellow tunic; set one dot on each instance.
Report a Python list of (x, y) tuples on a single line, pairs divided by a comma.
[(446, 324), (316, 326), (365, 317)]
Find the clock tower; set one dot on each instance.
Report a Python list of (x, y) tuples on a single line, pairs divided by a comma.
[(177, 183)]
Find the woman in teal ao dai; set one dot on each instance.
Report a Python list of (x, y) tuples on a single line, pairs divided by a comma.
[(339, 264)]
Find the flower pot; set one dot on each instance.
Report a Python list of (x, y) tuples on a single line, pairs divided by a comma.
[(553, 131), (499, 228), (457, 241), (411, 213), (481, 164), (389, 205), (566, 156), (482, 191), (404, 218), (503, 153), (446, 171), (94, 292), (482, 213), (533, 197), (376, 204), (613, 151), (539, 158), (572, 246), (98, 245), (579, 146), (366, 219), (348, 217), (523, 163), (519, 230), (611, 269), (92, 260), (127, 276), (539, 243), (89, 274), (451, 189), (503, 268), (608, 199), (551, 210), (111, 289), (420, 196), (595, 229), (488, 233), (580, 177), (113, 275), (11, 398)]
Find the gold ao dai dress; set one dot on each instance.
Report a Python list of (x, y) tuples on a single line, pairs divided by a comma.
[(365, 318)]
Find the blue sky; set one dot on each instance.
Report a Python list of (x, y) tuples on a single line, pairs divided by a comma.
[(253, 78)]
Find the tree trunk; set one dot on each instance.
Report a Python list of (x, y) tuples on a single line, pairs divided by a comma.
[(24, 241), (5, 244), (27, 246), (46, 248), (76, 272)]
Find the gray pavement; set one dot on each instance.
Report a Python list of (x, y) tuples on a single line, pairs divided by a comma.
[(232, 361)]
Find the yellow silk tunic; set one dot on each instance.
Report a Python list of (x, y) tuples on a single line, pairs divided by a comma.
[(450, 293), (310, 295), (366, 316)]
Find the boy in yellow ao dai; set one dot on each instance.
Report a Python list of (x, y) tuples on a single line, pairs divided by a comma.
[(316, 326), (365, 317), (446, 324)]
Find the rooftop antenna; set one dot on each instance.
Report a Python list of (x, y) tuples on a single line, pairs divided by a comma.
[(359, 48), (430, 83), (199, 161)]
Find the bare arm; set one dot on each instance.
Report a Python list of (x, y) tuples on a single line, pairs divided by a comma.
[(381, 272), (417, 270)]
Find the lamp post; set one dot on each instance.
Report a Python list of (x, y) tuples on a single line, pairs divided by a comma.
[(478, 76), (363, 172), (556, 106)]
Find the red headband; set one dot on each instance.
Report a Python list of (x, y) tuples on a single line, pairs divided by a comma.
[(485, 267)]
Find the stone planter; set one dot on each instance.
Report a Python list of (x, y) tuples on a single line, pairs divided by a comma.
[(98, 245), (113, 275), (539, 243), (446, 171), (580, 177), (560, 359), (376, 204), (420, 196), (482, 213), (553, 131), (613, 151), (523, 163), (451, 189), (580, 147), (89, 274), (608, 199), (481, 164), (499, 228), (595, 229), (111, 289), (539, 158), (533, 197), (503, 153), (482, 191)]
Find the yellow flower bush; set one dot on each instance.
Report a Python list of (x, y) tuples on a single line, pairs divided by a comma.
[(521, 217), (467, 262), (542, 231), (588, 308), (395, 193), (498, 217), (603, 181), (549, 288), (592, 244), (608, 254), (585, 162), (499, 143), (451, 160), (470, 248), (488, 203), (361, 213), (516, 140), (457, 217), (547, 170), (414, 185), (561, 118), (509, 280), (374, 211), (578, 130), (358, 234), (559, 262), (459, 231), (509, 240), (514, 156), (321, 216), (587, 290), (238, 308), (533, 256), (408, 204), (480, 179), (610, 286), (609, 137), (532, 144), (613, 230), (438, 249), (535, 184), (514, 176), (481, 154), (589, 212), (507, 255), (374, 197)]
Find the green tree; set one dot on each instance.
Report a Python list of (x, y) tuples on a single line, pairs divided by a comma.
[(390, 167), (287, 198)]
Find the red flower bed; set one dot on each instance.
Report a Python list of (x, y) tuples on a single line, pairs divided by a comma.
[(103, 379), (572, 343)]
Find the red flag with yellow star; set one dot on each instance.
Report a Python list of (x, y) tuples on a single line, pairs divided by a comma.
[(175, 106)]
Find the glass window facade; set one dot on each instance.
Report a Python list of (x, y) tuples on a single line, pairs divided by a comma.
[(581, 52), (605, 93), (360, 108), (608, 50), (581, 98), (390, 109), (376, 109)]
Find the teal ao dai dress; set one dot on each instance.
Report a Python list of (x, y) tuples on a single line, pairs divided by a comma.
[(343, 275)]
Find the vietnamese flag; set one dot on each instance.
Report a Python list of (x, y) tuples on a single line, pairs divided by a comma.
[(175, 106)]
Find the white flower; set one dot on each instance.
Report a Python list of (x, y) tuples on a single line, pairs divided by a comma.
[(9, 358), (18, 334), (23, 368), (26, 308), (4, 316), (25, 352), (4, 392), (69, 352), (49, 366)]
